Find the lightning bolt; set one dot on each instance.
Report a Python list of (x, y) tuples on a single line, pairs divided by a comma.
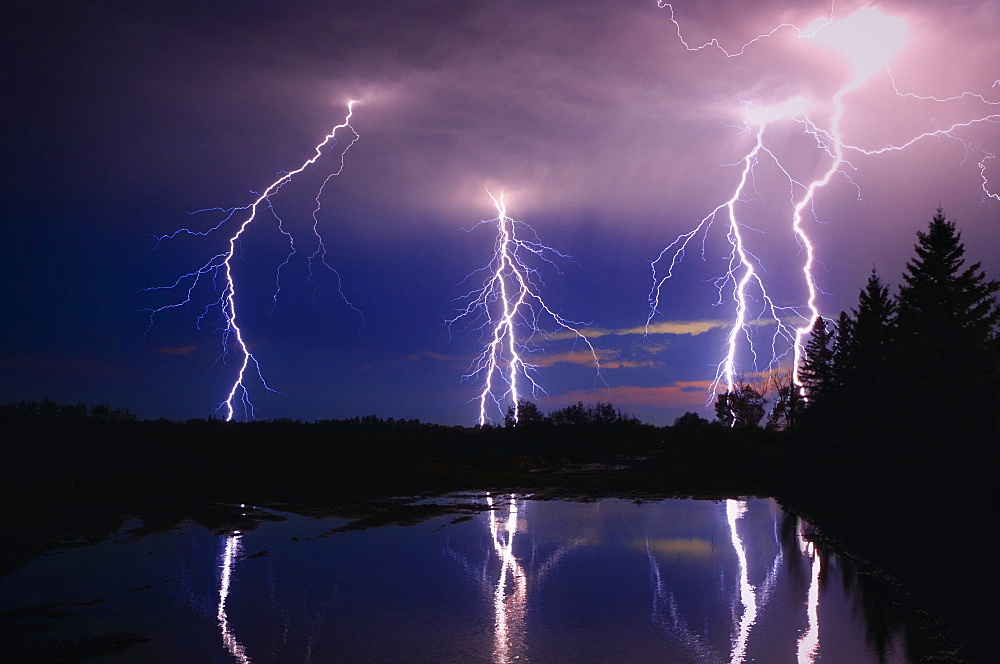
[(218, 269), (509, 305), (869, 40)]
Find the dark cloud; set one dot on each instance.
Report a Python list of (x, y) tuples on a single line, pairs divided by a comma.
[(607, 135)]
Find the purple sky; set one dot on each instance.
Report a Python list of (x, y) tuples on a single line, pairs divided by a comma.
[(608, 137)]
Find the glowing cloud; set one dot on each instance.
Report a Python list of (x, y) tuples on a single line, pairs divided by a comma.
[(870, 41), (758, 116)]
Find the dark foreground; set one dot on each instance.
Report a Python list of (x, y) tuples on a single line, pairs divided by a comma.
[(927, 523)]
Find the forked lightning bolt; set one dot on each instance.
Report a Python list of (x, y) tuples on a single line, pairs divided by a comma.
[(869, 40), (218, 271), (509, 306)]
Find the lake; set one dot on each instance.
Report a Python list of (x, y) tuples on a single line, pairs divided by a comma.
[(473, 578)]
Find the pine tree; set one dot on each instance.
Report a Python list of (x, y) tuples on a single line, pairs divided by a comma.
[(843, 340), (939, 298), (947, 322), (866, 358), (816, 372)]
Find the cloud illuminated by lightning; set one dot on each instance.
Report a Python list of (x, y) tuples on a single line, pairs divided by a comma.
[(869, 40), (508, 304), (218, 270)]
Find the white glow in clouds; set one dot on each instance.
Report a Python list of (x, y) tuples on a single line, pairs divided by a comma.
[(869, 41)]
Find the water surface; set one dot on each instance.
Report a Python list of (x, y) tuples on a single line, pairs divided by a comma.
[(507, 580)]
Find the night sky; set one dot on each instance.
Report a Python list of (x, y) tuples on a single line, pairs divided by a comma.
[(608, 137)]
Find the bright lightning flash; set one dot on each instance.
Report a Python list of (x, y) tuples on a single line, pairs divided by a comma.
[(218, 270), (869, 40), (509, 305)]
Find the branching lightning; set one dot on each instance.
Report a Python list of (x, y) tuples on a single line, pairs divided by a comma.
[(508, 304), (869, 40), (218, 271)]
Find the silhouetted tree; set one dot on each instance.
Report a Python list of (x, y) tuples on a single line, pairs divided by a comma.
[(690, 420), (741, 408), (817, 369), (788, 402), (47, 409), (865, 357), (600, 414), (528, 414), (603, 414), (103, 411), (572, 415), (947, 322)]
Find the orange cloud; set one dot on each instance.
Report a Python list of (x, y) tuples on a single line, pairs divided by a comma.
[(572, 357), (676, 395), (608, 359), (693, 327), (701, 384)]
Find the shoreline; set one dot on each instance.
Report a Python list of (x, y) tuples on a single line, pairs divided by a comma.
[(74, 485)]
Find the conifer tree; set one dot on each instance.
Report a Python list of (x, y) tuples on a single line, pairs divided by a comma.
[(816, 372), (866, 358), (942, 301), (841, 343), (947, 322)]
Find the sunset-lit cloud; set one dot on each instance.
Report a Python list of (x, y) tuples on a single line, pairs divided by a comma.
[(609, 359), (689, 394), (693, 328)]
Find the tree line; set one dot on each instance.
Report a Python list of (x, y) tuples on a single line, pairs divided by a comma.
[(601, 414), (920, 365)]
